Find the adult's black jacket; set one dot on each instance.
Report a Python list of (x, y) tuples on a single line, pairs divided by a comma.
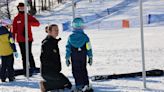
[(50, 57)]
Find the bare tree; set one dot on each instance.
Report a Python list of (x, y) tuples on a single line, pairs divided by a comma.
[(32, 5), (59, 1), (49, 4), (45, 4), (1, 11), (5, 9), (42, 5), (8, 9)]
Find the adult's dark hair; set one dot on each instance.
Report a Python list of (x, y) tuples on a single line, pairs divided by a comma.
[(51, 26), (47, 28), (20, 4)]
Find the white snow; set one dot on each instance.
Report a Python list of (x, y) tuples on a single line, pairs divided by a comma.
[(115, 51)]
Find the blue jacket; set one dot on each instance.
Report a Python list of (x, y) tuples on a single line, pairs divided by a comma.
[(7, 45), (78, 39)]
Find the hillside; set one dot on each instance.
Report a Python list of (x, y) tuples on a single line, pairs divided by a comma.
[(115, 49)]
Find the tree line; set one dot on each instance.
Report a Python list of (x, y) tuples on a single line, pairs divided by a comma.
[(34, 6), (42, 5)]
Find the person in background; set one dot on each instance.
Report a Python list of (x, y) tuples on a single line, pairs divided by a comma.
[(7, 51), (77, 49), (19, 35)]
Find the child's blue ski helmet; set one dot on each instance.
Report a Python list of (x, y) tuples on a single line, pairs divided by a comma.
[(77, 23)]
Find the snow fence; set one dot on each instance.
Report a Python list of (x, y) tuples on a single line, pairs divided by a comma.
[(99, 15), (155, 18)]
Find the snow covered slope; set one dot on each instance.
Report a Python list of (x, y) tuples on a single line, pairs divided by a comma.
[(115, 51)]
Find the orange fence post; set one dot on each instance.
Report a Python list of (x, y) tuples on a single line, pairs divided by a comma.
[(125, 24)]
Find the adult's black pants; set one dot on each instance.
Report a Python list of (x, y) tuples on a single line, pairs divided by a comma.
[(22, 46)]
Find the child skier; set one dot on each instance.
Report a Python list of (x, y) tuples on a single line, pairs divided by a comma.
[(7, 49), (51, 63), (77, 49)]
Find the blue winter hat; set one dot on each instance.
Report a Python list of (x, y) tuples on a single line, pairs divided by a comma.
[(77, 23)]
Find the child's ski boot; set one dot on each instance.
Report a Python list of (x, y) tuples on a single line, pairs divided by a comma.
[(87, 88)]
